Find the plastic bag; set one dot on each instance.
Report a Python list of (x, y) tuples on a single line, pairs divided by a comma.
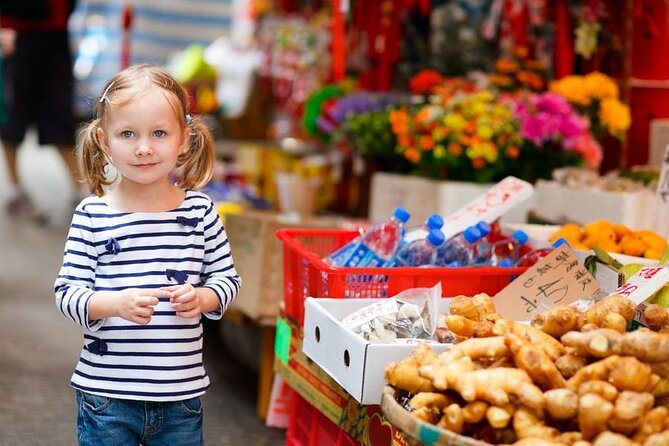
[(412, 314)]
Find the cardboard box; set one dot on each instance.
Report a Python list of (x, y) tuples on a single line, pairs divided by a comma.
[(354, 363), (423, 197), (366, 424), (258, 257)]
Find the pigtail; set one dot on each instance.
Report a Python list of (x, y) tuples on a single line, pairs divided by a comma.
[(197, 162), (93, 158)]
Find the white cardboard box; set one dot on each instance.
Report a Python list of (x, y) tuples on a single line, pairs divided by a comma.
[(423, 197), (356, 364)]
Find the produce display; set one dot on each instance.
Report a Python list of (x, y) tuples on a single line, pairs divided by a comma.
[(612, 237), (571, 377)]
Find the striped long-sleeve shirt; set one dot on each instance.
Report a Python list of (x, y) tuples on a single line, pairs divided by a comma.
[(108, 250)]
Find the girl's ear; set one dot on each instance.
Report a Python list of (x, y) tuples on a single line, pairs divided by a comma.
[(103, 140)]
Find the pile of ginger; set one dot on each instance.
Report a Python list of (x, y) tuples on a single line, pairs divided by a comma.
[(570, 378)]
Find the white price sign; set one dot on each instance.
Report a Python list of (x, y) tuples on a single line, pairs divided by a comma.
[(644, 283)]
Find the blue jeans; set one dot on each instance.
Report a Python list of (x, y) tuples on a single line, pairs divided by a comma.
[(103, 421)]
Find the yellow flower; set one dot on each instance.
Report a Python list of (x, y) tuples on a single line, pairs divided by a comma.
[(439, 151), (484, 131), (615, 115), (572, 88), (601, 86), (455, 122)]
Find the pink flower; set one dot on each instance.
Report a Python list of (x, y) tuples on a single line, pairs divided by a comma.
[(589, 149)]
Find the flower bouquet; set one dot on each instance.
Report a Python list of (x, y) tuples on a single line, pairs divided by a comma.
[(596, 96), (519, 72)]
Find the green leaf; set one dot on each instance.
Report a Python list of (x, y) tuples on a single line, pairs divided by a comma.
[(605, 258)]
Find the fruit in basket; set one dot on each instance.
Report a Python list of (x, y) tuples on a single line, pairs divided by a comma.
[(611, 237), (629, 270)]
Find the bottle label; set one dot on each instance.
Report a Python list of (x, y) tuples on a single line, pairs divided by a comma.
[(343, 254), (363, 256)]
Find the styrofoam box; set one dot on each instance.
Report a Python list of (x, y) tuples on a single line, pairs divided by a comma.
[(559, 203), (356, 364), (423, 197)]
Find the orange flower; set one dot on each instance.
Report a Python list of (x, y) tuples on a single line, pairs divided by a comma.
[(422, 115), (520, 52), (404, 140), (478, 163), (454, 149), (512, 152), (530, 79), (470, 127), (426, 142), (504, 65), (412, 155)]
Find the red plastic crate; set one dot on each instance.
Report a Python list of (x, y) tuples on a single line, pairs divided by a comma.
[(305, 274), (309, 427)]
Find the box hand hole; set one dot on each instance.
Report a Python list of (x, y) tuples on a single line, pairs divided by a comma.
[(347, 358), (318, 334)]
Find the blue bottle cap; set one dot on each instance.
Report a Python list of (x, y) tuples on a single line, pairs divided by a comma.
[(559, 242), (402, 214), (436, 237), (519, 236), (471, 234), (483, 227), (435, 221), (505, 263), (454, 264)]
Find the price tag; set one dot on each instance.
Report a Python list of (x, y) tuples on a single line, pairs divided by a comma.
[(644, 283), (498, 200), (557, 279), (663, 184)]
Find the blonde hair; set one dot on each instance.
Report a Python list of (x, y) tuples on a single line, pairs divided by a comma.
[(196, 164)]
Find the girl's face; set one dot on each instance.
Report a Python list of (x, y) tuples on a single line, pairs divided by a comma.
[(143, 138)]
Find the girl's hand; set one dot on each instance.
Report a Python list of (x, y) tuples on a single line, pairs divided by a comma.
[(137, 305), (185, 300)]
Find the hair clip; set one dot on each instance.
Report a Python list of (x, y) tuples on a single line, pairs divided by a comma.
[(104, 95), (189, 118)]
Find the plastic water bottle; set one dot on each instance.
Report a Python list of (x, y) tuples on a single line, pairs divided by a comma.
[(508, 249), (376, 247), (533, 257), (421, 232), (460, 248), (482, 251), (420, 252)]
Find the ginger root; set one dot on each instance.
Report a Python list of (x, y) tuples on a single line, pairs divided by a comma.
[(404, 375), (495, 386), (656, 317), (615, 321), (557, 320), (535, 362), (625, 373), (611, 304), (569, 364), (553, 348), (430, 399), (561, 404), (593, 414), (653, 423), (475, 411), (475, 308), (460, 325), (629, 411), (645, 345), (609, 438), (528, 425), (452, 419), (660, 439), (602, 388), (499, 417)]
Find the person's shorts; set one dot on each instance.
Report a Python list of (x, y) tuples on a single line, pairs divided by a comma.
[(38, 89)]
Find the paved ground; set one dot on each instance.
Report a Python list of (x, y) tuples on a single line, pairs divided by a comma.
[(39, 348)]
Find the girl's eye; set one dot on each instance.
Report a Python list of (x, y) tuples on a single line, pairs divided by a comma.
[(159, 133), (127, 134)]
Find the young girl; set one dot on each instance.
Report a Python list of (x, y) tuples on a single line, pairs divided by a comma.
[(142, 263)]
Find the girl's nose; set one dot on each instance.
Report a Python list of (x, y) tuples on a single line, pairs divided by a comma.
[(144, 148)]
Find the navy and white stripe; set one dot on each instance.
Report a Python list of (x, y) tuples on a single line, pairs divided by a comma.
[(107, 250)]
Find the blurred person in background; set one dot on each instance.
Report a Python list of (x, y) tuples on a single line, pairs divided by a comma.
[(38, 89)]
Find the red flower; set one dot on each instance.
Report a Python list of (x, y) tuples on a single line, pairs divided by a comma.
[(425, 81)]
